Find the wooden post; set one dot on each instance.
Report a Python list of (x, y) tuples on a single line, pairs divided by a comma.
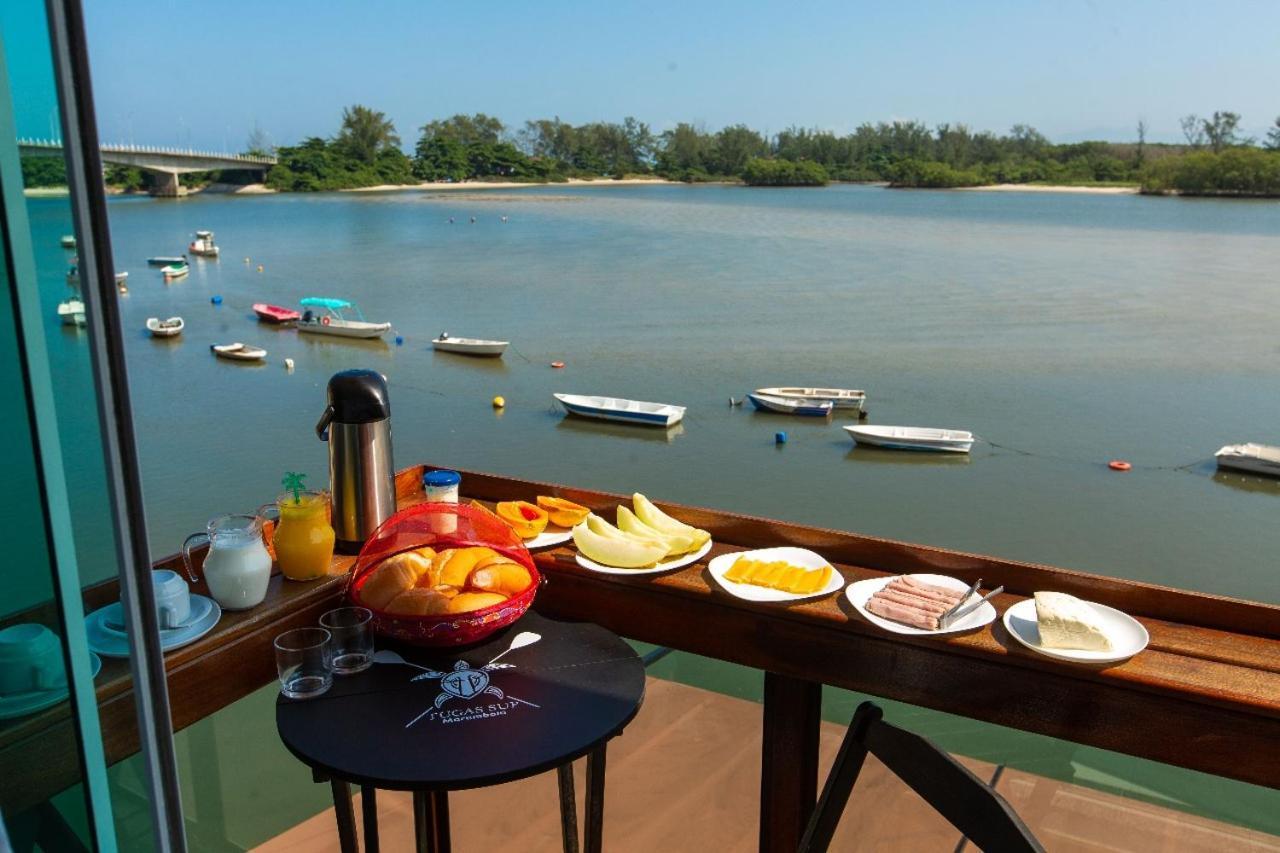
[(789, 760)]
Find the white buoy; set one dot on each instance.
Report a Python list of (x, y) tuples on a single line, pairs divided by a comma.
[(288, 365)]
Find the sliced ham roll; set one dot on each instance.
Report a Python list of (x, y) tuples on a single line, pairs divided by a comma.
[(928, 605), (904, 613), (926, 590)]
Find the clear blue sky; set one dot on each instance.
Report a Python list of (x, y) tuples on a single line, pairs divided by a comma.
[(170, 72)]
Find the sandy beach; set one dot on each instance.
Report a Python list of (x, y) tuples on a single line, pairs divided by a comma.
[(506, 185), (1051, 188)]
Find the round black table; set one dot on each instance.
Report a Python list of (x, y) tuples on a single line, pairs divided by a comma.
[(432, 721)]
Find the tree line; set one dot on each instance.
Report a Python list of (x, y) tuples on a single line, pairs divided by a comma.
[(368, 151)]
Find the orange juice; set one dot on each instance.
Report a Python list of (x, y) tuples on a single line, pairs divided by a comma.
[(303, 537)]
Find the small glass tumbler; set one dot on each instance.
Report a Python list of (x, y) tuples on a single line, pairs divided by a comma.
[(352, 630), (304, 659)]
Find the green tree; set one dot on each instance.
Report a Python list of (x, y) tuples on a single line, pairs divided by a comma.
[(759, 172), (734, 146), (441, 159), (365, 133), (1273, 135), (1220, 130), (476, 129)]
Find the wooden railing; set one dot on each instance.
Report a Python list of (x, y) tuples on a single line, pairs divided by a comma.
[(1205, 694)]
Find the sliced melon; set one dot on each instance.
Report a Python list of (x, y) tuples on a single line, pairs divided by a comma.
[(659, 520), (618, 553), (677, 543), (600, 527)]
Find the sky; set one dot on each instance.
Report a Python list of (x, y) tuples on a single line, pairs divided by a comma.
[(188, 74)]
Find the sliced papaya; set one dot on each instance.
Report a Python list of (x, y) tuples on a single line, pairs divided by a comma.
[(526, 519), (563, 513)]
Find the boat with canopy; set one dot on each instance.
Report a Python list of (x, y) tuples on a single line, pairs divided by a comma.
[(324, 316)]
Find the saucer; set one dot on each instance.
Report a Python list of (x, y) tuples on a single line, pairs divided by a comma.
[(113, 615), (21, 704), (114, 643)]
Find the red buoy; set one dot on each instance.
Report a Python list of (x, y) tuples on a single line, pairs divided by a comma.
[(1119, 465), (557, 364)]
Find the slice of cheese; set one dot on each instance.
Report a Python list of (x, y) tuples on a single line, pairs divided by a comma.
[(1066, 622)]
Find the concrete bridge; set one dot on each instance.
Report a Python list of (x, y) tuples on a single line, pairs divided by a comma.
[(165, 163)]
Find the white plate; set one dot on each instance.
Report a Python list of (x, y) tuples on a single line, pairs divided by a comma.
[(551, 536), (795, 556), (861, 591), (1127, 635), (665, 566)]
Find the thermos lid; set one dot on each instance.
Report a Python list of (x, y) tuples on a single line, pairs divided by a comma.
[(358, 397), (441, 479)]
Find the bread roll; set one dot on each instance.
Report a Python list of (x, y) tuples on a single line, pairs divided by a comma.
[(392, 577), (465, 602), (460, 564), (507, 578), (418, 602)]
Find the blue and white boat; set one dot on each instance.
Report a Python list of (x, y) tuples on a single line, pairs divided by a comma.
[(323, 316), (913, 438), (620, 410), (790, 405)]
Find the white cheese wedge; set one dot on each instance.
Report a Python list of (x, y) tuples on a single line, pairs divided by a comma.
[(1066, 622)]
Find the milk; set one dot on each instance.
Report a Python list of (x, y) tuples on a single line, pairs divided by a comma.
[(237, 569)]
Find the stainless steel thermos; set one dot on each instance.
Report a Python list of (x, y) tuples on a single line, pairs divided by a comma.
[(357, 425)]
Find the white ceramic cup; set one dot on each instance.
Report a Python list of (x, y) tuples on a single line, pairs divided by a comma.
[(173, 598), (30, 659)]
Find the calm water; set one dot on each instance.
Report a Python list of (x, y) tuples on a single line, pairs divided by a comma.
[(1065, 329), (1073, 329)]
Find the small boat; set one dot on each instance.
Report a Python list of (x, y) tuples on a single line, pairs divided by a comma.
[(327, 319), (203, 245), (469, 346), (839, 398), (790, 405), (166, 260), (177, 270), (620, 410), (68, 241), (1251, 457), (274, 313), (238, 352), (71, 312), (122, 282), (913, 438), (73, 274), (164, 328)]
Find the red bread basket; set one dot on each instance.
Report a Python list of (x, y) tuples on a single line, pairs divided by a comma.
[(440, 526)]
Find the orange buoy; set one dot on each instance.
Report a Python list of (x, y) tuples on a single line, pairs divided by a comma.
[(557, 364), (1119, 465)]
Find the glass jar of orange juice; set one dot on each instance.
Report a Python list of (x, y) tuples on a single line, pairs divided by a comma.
[(303, 537)]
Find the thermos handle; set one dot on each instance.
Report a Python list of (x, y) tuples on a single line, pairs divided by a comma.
[(322, 428)]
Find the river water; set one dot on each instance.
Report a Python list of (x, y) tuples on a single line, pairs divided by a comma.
[(1064, 329)]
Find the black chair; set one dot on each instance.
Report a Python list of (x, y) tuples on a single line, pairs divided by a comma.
[(972, 806)]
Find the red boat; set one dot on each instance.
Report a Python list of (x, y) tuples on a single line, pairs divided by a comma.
[(274, 313)]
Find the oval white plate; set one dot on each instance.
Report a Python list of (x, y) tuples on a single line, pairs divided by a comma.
[(551, 536), (795, 556), (665, 566), (1127, 635), (859, 592)]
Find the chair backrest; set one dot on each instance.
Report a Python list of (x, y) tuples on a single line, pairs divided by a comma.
[(972, 806)]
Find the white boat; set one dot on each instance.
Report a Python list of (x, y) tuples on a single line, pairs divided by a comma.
[(71, 312), (913, 438), (840, 398), (203, 245), (178, 270), (324, 317), (239, 352), (620, 410), (68, 241), (469, 346), (790, 405), (165, 328), (1253, 458)]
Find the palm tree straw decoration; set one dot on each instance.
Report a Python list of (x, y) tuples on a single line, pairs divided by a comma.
[(292, 482)]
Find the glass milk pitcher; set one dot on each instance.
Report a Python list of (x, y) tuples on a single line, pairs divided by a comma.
[(237, 566)]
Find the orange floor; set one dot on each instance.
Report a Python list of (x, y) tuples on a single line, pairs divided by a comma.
[(685, 776)]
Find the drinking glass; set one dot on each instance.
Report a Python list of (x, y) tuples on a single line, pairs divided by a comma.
[(304, 659), (352, 632)]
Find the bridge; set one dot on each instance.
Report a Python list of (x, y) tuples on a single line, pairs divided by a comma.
[(165, 163)]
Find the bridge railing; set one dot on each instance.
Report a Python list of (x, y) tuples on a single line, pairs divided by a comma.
[(122, 148)]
